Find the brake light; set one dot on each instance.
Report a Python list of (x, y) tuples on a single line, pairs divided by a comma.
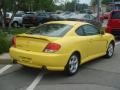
[(52, 47), (14, 41)]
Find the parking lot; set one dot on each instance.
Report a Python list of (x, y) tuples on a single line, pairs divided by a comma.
[(100, 74), (59, 35)]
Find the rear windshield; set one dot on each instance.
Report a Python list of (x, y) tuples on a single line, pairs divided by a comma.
[(52, 30), (115, 15)]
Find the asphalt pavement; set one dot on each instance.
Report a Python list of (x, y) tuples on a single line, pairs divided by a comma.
[(99, 74)]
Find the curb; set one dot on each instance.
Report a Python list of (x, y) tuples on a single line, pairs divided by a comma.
[(5, 59)]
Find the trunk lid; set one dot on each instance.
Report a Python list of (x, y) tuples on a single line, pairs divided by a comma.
[(35, 43)]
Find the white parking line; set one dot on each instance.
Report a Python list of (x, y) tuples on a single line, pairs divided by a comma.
[(117, 43), (5, 68), (35, 82)]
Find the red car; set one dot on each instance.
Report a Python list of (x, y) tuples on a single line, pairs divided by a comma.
[(105, 15), (113, 25)]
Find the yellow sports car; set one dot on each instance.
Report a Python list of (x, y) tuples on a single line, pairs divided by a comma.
[(61, 46)]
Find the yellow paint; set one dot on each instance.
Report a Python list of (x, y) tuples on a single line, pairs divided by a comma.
[(30, 51)]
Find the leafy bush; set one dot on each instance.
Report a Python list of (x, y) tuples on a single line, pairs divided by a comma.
[(4, 42), (5, 38), (15, 31)]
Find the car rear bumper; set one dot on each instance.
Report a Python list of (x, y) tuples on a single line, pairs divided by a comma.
[(50, 61), (114, 31)]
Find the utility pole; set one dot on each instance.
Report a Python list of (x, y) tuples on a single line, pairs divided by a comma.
[(75, 6), (113, 2), (2, 13), (98, 10), (65, 2)]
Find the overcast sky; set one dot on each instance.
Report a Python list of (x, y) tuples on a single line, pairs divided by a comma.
[(85, 1), (80, 1)]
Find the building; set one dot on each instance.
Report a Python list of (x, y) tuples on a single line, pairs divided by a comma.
[(115, 5)]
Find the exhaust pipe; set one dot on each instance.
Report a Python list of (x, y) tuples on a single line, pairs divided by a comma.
[(14, 61)]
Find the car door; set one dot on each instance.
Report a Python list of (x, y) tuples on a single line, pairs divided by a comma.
[(97, 42), (18, 18), (83, 44)]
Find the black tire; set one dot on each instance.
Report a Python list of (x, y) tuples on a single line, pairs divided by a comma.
[(14, 61), (72, 65), (110, 51), (15, 24)]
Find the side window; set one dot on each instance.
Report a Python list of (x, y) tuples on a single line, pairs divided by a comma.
[(91, 17), (80, 31), (87, 17), (18, 15), (90, 30), (41, 14), (115, 15)]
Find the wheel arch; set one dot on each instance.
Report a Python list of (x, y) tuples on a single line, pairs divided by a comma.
[(78, 54), (113, 42), (66, 70), (15, 22), (107, 55)]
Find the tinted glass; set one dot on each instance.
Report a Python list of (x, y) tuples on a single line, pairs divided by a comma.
[(80, 31), (52, 30), (116, 15), (91, 17), (41, 14), (18, 15), (87, 17), (90, 30), (29, 14)]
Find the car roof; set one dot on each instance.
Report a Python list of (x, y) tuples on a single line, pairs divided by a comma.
[(67, 22)]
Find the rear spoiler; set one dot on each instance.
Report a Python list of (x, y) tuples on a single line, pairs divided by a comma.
[(32, 36)]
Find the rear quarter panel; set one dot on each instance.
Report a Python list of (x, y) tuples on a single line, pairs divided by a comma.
[(71, 44)]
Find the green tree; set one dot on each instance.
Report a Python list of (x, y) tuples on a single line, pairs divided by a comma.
[(47, 5), (108, 1), (93, 2), (25, 5), (70, 6), (35, 5)]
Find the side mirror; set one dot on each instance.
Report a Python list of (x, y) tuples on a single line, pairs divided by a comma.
[(102, 32)]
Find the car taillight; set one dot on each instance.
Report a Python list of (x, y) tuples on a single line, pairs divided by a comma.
[(14, 41), (52, 47)]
